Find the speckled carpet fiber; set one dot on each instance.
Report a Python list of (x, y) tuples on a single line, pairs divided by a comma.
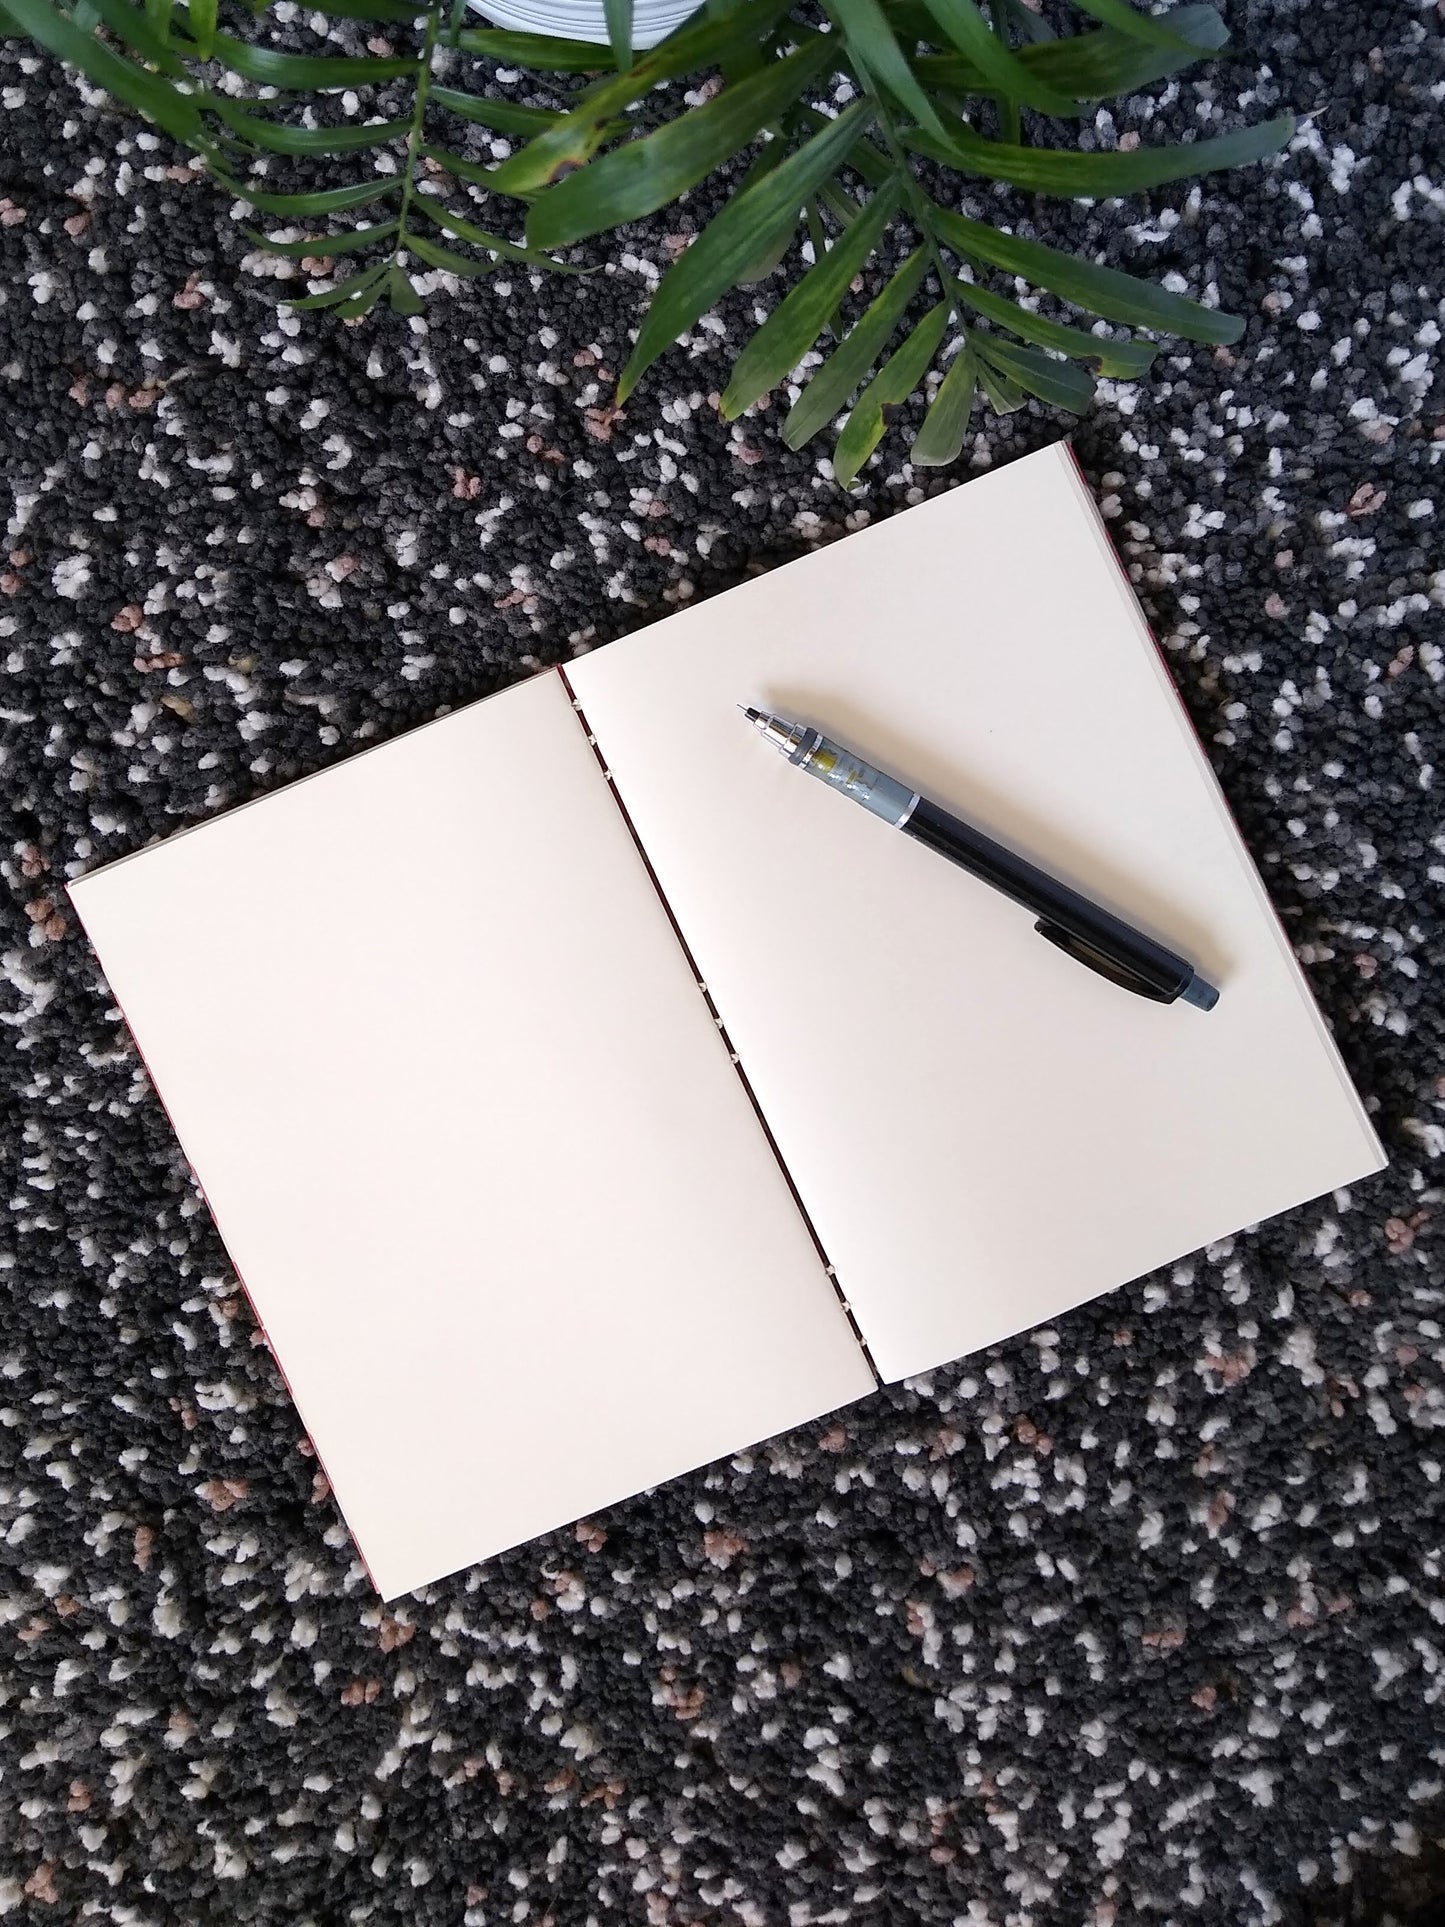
[(1138, 1618)]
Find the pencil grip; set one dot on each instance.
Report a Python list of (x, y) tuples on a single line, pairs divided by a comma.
[(842, 770)]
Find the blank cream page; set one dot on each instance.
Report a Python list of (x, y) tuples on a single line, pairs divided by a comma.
[(471, 1136), (983, 1131)]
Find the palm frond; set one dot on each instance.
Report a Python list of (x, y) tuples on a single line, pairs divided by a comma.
[(957, 84)]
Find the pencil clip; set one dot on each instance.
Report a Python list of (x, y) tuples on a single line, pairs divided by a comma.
[(1100, 961)]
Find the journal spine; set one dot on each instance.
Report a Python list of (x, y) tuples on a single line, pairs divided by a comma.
[(719, 1024)]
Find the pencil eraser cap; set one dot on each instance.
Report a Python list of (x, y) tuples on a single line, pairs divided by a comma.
[(1197, 992)]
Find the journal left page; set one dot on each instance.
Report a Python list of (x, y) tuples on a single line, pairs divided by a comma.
[(471, 1136)]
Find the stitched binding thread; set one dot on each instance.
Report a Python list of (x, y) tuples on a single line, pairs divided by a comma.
[(719, 1025)]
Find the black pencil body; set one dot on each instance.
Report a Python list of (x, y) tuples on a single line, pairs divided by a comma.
[(1092, 934)]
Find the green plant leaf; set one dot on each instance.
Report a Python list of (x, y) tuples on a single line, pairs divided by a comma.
[(201, 19), (1005, 396), (714, 261), (618, 14), (1097, 66), (940, 440), (436, 256), (911, 22), (502, 116), (761, 264), (891, 386), (395, 12), (1089, 66), (577, 136), (639, 177), (553, 153), (537, 50), (360, 304), (466, 230), (1057, 382), (875, 167), (1124, 360), (149, 94), (1157, 31), (844, 208), (1016, 21), (840, 374), (308, 72), (276, 137), (961, 23), (800, 317), (1044, 170), (1102, 291), (135, 29), (323, 246), (1010, 121), (767, 258), (740, 61), (344, 290), (871, 43), (704, 40), (817, 233), (400, 293), (331, 200)]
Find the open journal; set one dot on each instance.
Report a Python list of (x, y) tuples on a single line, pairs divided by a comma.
[(582, 1094)]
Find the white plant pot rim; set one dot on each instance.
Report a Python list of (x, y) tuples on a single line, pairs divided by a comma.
[(652, 20)]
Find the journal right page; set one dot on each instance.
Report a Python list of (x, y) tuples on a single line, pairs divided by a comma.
[(982, 1131)]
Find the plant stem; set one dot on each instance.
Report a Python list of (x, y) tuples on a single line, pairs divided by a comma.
[(918, 201), (1009, 128), (418, 116)]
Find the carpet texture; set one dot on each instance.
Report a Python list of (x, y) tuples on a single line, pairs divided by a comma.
[(1138, 1618)]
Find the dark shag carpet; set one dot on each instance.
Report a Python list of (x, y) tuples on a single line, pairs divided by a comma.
[(1138, 1618)]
